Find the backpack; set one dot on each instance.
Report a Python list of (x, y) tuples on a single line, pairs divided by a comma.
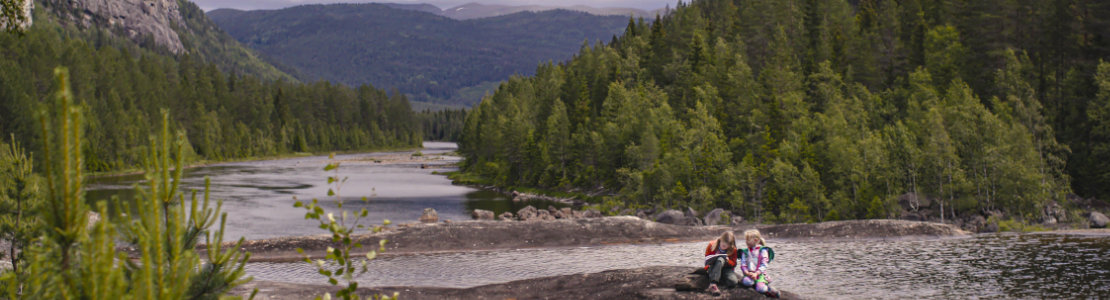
[(770, 253)]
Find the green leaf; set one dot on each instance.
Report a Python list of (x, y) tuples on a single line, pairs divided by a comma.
[(330, 167), (331, 192)]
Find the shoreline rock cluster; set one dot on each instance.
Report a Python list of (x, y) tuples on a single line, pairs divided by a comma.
[(531, 213), (1052, 215), (912, 208)]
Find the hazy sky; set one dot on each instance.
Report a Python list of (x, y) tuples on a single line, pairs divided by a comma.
[(274, 4)]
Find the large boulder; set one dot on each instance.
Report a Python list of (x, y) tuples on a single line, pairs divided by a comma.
[(565, 213), (591, 213), (545, 215), (671, 216), (1098, 220), (506, 216), (429, 216), (527, 213), (481, 214), (974, 223), (1053, 213), (717, 217)]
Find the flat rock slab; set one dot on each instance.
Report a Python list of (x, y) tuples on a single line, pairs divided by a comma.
[(642, 283)]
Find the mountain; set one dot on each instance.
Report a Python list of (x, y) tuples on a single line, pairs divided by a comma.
[(477, 11), (430, 57), (424, 7), (176, 27)]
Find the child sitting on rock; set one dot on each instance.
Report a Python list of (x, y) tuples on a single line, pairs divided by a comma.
[(753, 263), (720, 261)]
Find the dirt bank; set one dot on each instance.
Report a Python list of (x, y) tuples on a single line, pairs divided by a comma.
[(488, 235), (643, 283)]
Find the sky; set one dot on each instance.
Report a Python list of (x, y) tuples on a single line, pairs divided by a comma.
[(442, 4)]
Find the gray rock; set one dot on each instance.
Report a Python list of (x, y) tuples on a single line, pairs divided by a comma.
[(990, 227), (974, 223), (1098, 220), (1054, 213), (714, 217), (135, 18), (591, 213), (429, 216), (506, 216), (545, 215), (642, 215), (567, 212), (690, 212), (527, 213), (552, 209), (481, 214), (671, 216), (737, 220)]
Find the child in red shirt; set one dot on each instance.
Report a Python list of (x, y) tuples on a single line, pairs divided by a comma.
[(720, 262)]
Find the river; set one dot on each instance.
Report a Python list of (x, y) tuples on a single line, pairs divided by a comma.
[(259, 197)]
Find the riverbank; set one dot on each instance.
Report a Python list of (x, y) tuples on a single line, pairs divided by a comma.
[(493, 235), (663, 282), (206, 162)]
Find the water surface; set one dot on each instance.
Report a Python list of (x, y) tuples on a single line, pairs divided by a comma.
[(259, 195), (1034, 266)]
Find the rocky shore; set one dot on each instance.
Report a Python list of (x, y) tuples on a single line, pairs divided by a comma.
[(490, 235), (643, 283)]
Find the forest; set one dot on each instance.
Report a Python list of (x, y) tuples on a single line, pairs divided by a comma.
[(431, 58), (124, 87), (815, 110)]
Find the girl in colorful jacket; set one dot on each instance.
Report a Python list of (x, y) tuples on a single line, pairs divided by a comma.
[(720, 261), (753, 263)]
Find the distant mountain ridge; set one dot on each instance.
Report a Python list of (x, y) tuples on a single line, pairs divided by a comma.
[(476, 10), (430, 57)]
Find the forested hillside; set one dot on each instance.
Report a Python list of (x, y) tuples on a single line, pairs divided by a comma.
[(430, 57), (809, 110), (123, 87)]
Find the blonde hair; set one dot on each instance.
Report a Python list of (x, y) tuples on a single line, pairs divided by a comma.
[(753, 234), (727, 237)]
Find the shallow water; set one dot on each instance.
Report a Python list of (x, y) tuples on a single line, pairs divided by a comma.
[(989, 266), (259, 195)]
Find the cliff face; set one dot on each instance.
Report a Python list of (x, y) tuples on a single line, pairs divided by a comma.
[(137, 18), (25, 14)]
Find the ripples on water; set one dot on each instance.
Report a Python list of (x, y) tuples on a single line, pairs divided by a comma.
[(990, 266)]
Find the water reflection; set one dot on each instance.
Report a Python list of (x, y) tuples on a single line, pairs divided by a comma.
[(258, 196)]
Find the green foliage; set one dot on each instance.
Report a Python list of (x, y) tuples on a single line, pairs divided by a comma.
[(1015, 225), (341, 263), (76, 255), (20, 204), (443, 125), (226, 116), (208, 43), (799, 111), (429, 57)]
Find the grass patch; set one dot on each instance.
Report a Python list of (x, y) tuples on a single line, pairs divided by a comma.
[(1013, 225)]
